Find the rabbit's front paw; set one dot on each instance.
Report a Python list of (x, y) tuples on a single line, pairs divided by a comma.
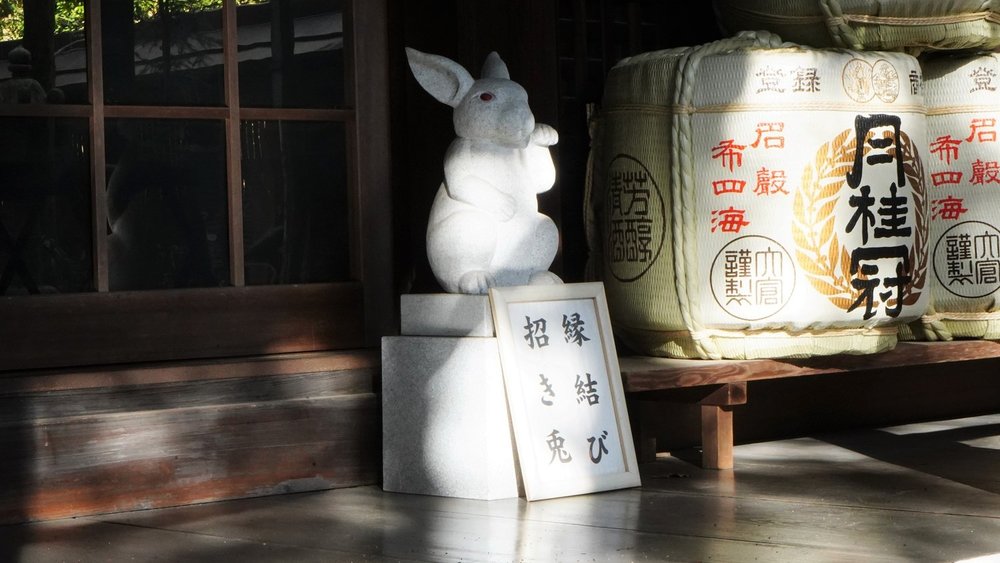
[(476, 282), (504, 207), (544, 135), (544, 278)]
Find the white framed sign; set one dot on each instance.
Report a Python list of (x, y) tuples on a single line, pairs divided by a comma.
[(564, 389)]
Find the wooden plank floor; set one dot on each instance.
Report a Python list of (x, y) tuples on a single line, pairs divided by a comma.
[(922, 492)]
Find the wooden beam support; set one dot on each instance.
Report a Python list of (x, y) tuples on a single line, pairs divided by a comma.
[(716, 437), (711, 399), (645, 443), (717, 424), (727, 395)]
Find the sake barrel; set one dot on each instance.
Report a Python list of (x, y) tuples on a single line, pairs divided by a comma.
[(911, 25), (749, 198), (963, 111)]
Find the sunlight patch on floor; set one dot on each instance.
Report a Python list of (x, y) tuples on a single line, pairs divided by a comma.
[(993, 558)]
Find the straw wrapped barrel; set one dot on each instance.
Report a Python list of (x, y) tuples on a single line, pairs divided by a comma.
[(962, 94), (749, 198), (911, 25)]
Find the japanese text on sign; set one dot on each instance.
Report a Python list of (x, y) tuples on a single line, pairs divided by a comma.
[(564, 371)]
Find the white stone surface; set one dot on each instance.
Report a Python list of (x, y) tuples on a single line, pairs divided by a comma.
[(445, 314), (484, 228), (445, 427)]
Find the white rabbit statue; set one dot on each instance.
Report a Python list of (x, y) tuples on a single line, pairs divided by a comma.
[(484, 228)]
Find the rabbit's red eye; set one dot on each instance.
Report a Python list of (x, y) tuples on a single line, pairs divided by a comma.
[(485, 96)]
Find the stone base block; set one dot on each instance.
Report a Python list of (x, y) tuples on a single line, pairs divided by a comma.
[(445, 427), (445, 314)]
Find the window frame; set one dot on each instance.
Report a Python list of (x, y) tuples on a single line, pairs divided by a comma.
[(104, 327)]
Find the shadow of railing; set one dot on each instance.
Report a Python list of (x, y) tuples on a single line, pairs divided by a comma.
[(969, 455)]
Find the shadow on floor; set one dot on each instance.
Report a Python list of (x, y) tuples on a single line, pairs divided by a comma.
[(968, 455)]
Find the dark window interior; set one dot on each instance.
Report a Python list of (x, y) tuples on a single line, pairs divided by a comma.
[(150, 147)]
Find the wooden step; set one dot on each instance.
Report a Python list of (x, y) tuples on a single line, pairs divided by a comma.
[(136, 437)]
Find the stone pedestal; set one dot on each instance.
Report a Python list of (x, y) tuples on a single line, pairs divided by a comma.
[(446, 314), (445, 427)]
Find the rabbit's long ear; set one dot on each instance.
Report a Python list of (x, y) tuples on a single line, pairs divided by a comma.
[(442, 77), (494, 67)]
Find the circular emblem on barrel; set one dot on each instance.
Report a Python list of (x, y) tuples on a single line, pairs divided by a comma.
[(635, 218), (864, 81), (885, 81), (967, 259), (857, 80), (752, 277)]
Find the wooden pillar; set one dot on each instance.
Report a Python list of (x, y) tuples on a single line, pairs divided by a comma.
[(39, 31), (645, 443), (717, 425), (716, 437)]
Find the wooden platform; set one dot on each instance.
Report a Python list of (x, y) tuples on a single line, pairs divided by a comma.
[(718, 386), (923, 492)]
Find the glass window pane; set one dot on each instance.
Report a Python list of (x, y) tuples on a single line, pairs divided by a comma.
[(295, 216), (163, 52), (167, 204), (43, 56), (45, 224), (291, 53)]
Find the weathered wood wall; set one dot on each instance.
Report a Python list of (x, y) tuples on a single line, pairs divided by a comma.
[(130, 438)]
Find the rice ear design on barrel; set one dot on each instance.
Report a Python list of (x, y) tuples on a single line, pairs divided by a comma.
[(753, 198), (826, 262)]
